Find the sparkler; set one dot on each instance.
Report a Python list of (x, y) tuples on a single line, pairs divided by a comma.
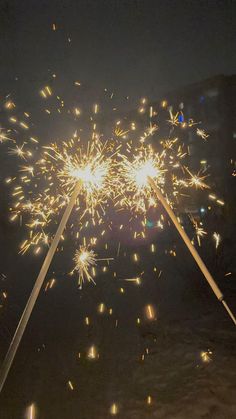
[(142, 175), (68, 176), (90, 175), (46, 186), (191, 248)]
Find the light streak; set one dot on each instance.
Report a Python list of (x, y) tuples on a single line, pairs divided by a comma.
[(114, 409), (217, 238)]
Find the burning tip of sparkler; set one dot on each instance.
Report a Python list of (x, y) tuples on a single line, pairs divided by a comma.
[(144, 171), (91, 178)]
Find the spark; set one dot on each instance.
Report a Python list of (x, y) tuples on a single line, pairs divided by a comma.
[(19, 151), (9, 105), (150, 312), (101, 308), (31, 412), (4, 136), (206, 356), (120, 132), (220, 202), (84, 260), (92, 352), (149, 400), (114, 409), (201, 133), (197, 180), (71, 387), (136, 280), (200, 232), (87, 321), (217, 238), (153, 248)]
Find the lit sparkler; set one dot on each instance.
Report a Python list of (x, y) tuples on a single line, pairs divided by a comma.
[(46, 187), (133, 174), (80, 177), (145, 175)]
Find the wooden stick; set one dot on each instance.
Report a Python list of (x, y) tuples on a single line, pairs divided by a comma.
[(191, 248), (35, 291)]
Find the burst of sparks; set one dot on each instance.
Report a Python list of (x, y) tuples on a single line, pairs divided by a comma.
[(135, 172), (201, 133), (197, 180), (46, 186), (4, 136), (85, 260), (206, 356), (200, 232), (108, 171)]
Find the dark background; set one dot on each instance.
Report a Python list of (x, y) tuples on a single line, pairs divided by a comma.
[(135, 48)]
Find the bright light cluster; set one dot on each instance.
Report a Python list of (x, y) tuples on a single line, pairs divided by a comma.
[(111, 170), (45, 189), (84, 260)]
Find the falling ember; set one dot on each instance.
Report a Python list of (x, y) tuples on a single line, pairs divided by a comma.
[(206, 356), (92, 353), (220, 202), (150, 312), (31, 412), (153, 248), (114, 409), (201, 133), (101, 308), (149, 400), (3, 136), (87, 321), (164, 104), (70, 385)]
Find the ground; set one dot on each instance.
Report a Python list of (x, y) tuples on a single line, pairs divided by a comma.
[(184, 358)]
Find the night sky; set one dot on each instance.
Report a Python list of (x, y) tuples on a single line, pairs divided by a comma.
[(135, 48)]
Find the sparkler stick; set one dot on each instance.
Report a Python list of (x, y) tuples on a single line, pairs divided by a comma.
[(191, 248), (36, 289)]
